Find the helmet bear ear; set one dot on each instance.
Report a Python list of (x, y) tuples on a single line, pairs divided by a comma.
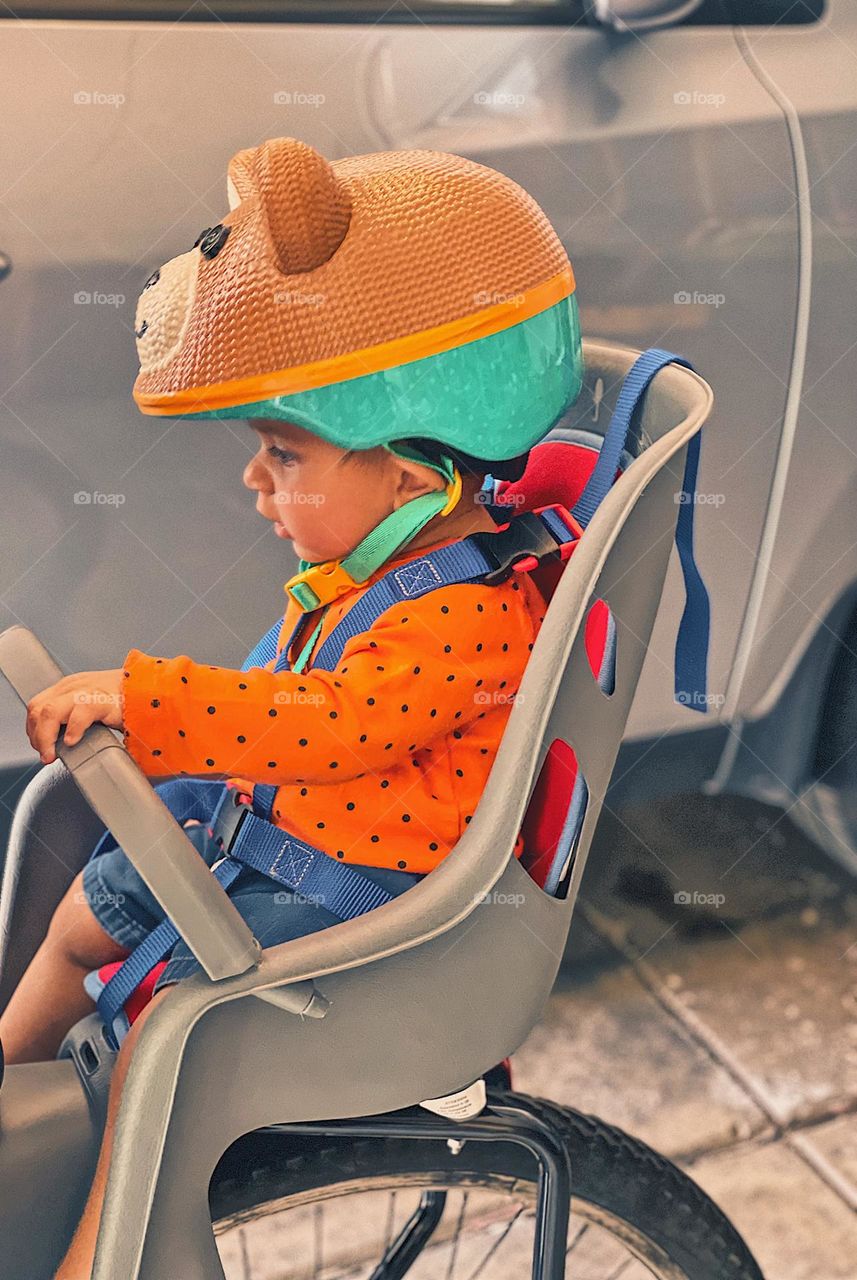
[(306, 208)]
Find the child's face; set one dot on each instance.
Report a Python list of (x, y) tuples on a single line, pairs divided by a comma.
[(322, 498)]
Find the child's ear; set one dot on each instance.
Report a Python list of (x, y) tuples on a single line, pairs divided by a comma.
[(415, 480), (303, 204)]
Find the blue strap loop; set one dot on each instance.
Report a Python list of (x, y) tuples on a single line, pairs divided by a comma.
[(111, 1000), (692, 640)]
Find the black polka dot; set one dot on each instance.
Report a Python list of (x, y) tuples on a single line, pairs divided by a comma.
[(405, 618), (340, 853), (432, 845), (211, 710), (404, 706), (401, 863), (184, 679), (379, 668), (332, 714), (406, 817), (504, 607), (302, 742), (505, 648), (370, 702), (416, 671), (458, 773), (320, 826), (303, 791), (444, 608), (374, 839), (272, 764), (480, 608), (449, 678), (242, 686), (181, 733), (363, 737), (209, 761), (350, 804), (272, 712), (385, 782), (334, 764), (156, 702), (479, 648), (388, 746), (156, 752), (127, 673), (433, 712)]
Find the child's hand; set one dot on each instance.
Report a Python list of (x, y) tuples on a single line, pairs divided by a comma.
[(76, 701)]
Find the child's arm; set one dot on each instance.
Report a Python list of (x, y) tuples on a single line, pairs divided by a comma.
[(425, 668)]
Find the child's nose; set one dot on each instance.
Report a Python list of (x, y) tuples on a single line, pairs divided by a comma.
[(255, 474)]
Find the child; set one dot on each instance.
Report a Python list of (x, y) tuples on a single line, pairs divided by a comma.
[(392, 327)]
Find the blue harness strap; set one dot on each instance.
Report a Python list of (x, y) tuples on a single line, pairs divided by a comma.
[(470, 560), (692, 640), (254, 840)]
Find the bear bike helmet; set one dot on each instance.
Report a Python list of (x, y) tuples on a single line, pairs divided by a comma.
[(369, 300)]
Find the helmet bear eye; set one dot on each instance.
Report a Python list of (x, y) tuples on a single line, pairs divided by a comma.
[(211, 240), (153, 279)]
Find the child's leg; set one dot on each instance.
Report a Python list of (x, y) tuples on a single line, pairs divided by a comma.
[(50, 997), (77, 1263)]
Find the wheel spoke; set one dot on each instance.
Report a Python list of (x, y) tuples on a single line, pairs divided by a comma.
[(577, 1239), (391, 1218), (495, 1246), (621, 1269), (318, 1237), (457, 1237)]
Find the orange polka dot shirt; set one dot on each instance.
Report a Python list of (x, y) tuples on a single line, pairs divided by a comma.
[(380, 762)]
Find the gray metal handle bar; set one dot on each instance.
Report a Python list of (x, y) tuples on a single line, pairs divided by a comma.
[(122, 796)]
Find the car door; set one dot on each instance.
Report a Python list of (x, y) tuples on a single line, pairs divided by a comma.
[(661, 157)]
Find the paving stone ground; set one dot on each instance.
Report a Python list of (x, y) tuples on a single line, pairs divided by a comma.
[(708, 1004)]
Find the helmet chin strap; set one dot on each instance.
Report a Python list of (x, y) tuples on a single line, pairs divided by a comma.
[(319, 582)]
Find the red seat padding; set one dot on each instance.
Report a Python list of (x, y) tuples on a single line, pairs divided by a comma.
[(138, 999), (547, 810)]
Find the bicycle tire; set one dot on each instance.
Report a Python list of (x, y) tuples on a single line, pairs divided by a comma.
[(616, 1179)]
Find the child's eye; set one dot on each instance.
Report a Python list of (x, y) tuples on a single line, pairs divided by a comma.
[(281, 455)]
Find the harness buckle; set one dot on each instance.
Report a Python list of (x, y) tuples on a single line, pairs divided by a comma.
[(319, 584), (227, 822), (525, 537)]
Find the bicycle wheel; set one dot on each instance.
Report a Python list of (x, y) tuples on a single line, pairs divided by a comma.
[(335, 1206)]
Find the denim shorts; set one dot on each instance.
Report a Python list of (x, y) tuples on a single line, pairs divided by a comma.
[(128, 911)]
